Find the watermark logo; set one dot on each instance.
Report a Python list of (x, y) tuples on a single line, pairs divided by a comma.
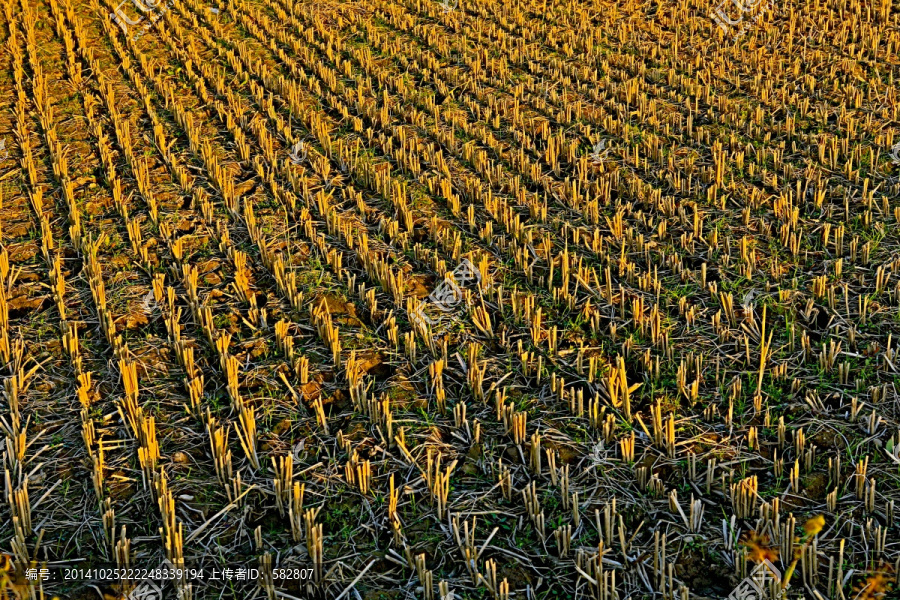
[(449, 5), (448, 294), (151, 588), (147, 590), (721, 17), (154, 9), (548, 91), (148, 303), (759, 583), (895, 153), (121, 18), (598, 152), (298, 153)]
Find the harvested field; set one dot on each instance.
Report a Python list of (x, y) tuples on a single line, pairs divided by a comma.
[(404, 299)]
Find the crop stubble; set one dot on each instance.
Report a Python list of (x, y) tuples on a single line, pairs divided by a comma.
[(679, 350)]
